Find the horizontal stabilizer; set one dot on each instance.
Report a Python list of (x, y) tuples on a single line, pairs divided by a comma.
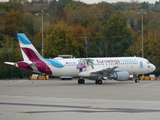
[(9, 63), (31, 64)]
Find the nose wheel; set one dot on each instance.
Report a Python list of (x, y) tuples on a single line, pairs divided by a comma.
[(136, 80)]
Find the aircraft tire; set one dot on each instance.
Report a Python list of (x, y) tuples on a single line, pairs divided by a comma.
[(98, 81), (137, 81), (81, 81)]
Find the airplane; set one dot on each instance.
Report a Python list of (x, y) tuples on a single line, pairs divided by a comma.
[(97, 69)]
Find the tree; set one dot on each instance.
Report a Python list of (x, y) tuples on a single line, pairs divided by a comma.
[(95, 40), (145, 5), (65, 1), (107, 10), (60, 41), (117, 35), (55, 7), (90, 40), (151, 47), (12, 5), (13, 23), (153, 22), (28, 23), (37, 40), (75, 5), (10, 51), (83, 16)]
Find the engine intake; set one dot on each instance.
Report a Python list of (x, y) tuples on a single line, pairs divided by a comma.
[(121, 76)]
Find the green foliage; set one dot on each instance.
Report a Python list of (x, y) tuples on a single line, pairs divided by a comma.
[(37, 40), (156, 6), (145, 6), (27, 21), (153, 22), (8, 6), (55, 8), (10, 51), (13, 23), (77, 28), (117, 35), (107, 10), (75, 5), (127, 6), (97, 47), (60, 41), (151, 47), (65, 1)]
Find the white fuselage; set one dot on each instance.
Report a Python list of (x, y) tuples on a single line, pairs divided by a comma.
[(117, 68), (133, 65)]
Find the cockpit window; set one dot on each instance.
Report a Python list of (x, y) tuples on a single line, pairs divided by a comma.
[(148, 62)]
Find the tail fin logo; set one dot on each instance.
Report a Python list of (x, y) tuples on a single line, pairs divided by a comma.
[(23, 39)]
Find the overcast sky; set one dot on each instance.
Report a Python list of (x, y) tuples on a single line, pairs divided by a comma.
[(109, 1)]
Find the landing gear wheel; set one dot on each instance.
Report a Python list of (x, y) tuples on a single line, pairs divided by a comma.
[(98, 81), (137, 81), (81, 81)]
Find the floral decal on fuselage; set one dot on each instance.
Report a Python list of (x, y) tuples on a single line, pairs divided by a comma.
[(84, 63)]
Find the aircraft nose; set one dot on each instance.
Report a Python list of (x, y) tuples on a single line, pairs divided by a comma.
[(153, 67)]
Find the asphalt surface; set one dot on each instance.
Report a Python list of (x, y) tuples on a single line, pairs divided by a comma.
[(67, 100)]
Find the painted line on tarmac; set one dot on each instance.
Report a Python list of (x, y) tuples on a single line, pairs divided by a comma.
[(87, 109), (148, 84), (22, 112), (75, 99), (104, 107), (19, 111)]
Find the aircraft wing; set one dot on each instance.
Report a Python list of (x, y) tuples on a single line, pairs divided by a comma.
[(98, 72), (104, 71)]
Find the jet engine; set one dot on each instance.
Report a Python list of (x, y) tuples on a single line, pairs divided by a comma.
[(120, 76)]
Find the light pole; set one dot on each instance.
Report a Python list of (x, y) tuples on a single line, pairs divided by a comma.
[(42, 13), (141, 12)]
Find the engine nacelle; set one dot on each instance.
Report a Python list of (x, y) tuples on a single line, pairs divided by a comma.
[(121, 76)]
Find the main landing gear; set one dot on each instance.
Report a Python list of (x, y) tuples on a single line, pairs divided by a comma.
[(82, 81), (98, 81)]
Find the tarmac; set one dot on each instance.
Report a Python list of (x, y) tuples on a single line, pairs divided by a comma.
[(57, 99)]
